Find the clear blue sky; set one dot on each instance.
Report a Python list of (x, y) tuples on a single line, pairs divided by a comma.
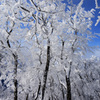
[(88, 5)]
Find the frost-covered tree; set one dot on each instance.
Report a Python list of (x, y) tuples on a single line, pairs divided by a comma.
[(97, 7), (9, 47), (39, 16), (87, 78), (42, 47), (74, 40)]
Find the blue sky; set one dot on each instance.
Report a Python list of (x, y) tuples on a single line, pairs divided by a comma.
[(88, 5)]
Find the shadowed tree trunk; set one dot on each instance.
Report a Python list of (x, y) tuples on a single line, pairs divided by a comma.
[(15, 60), (15, 78), (27, 97), (68, 88), (39, 87), (62, 90), (68, 83), (46, 70), (15, 72)]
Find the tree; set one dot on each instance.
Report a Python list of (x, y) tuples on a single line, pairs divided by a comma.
[(75, 42), (97, 7), (43, 47), (41, 31), (9, 45)]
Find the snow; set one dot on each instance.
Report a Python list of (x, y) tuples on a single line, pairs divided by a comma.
[(53, 42)]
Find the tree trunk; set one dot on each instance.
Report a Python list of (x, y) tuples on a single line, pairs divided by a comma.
[(62, 90), (68, 83), (46, 70), (15, 90), (15, 78), (27, 97), (39, 87), (15, 70), (15, 60), (68, 88)]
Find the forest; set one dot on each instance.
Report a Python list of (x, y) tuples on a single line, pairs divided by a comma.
[(43, 44)]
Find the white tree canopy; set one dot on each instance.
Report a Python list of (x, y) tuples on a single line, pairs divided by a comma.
[(42, 48)]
